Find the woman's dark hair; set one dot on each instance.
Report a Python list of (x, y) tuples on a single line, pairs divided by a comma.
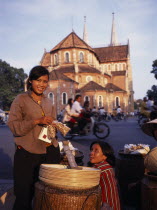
[(35, 73), (77, 96), (107, 151), (70, 102)]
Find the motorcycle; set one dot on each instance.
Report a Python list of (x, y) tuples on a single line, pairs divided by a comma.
[(142, 119), (100, 129), (119, 116), (106, 117)]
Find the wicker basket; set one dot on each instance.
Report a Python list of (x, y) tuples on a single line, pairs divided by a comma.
[(48, 197), (61, 176)]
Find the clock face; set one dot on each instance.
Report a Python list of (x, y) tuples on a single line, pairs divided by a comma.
[(64, 85)]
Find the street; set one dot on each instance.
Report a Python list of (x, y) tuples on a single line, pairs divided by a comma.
[(121, 132)]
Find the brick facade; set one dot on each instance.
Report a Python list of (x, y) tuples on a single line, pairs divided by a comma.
[(103, 75)]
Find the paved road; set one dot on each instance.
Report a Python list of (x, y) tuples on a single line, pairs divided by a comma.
[(121, 133)]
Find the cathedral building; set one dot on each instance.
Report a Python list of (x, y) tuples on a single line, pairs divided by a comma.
[(103, 75)]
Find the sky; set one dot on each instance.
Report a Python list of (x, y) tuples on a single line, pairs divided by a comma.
[(28, 27)]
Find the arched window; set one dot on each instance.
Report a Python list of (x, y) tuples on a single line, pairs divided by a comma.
[(120, 66), (124, 66), (51, 97), (117, 101), (56, 59), (86, 98), (81, 57), (67, 60), (116, 67), (105, 81), (90, 59), (64, 98), (109, 67), (80, 79), (100, 101), (88, 78), (98, 79)]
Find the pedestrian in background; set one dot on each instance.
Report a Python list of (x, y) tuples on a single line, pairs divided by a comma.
[(29, 112)]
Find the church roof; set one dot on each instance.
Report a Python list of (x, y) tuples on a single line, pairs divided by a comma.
[(72, 41), (112, 53), (88, 69), (113, 87), (81, 69), (56, 75), (45, 61), (91, 86), (66, 69), (118, 73)]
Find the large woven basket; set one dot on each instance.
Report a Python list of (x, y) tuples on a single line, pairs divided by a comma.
[(49, 197), (61, 176)]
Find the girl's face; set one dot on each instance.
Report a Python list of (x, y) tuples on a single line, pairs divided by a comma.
[(39, 85), (96, 154)]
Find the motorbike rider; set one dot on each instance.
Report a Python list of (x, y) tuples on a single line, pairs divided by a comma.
[(119, 112), (77, 108), (144, 109), (69, 114)]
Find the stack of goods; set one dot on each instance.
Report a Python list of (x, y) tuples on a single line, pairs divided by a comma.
[(136, 149), (72, 148), (62, 176), (76, 153), (48, 133)]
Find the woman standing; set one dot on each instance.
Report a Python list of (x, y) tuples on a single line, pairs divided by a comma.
[(29, 112), (102, 157)]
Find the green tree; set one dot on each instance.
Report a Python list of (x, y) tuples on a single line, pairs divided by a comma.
[(153, 92), (154, 70), (11, 83)]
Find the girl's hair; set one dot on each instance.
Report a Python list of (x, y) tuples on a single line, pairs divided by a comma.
[(70, 102), (107, 150), (35, 73)]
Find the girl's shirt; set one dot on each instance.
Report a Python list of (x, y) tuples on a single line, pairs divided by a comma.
[(24, 110), (108, 185)]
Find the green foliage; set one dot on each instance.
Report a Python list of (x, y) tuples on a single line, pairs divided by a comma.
[(11, 84), (153, 92), (154, 71)]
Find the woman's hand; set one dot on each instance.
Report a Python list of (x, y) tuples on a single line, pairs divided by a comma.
[(44, 121)]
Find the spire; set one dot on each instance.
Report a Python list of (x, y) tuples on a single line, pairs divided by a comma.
[(85, 36), (113, 33), (72, 24), (128, 48)]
